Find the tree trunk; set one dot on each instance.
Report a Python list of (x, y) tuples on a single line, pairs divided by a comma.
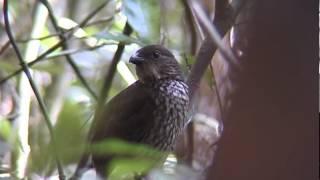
[(271, 126)]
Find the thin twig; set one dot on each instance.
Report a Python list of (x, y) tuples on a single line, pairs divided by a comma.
[(223, 21), (4, 47), (100, 21), (75, 51), (57, 45), (31, 63), (186, 60), (215, 88), (112, 68), (189, 141), (34, 88), (64, 45), (213, 33), (192, 24), (82, 165), (38, 38)]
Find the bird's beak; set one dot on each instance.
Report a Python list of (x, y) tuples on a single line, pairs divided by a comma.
[(136, 59)]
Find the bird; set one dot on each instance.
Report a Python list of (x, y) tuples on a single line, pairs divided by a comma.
[(152, 111)]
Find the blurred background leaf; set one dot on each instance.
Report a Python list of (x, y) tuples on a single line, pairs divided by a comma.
[(120, 147), (5, 128), (70, 134), (144, 18), (118, 37), (129, 160)]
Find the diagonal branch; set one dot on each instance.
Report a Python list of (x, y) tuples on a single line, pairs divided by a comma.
[(104, 20), (224, 19), (65, 47), (33, 86), (112, 68), (31, 63), (225, 15), (192, 24), (57, 45), (83, 165)]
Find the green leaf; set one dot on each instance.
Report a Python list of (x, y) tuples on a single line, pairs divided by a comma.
[(129, 168), (119, 37), (5, 128), (52, 68), (70, 137), (7, 66), (120, 147), (129, 159), (48, 42), (70, 133), (144, 17)]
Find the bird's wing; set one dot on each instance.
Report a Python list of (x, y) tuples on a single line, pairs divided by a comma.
[(120, 118), (124, 115)]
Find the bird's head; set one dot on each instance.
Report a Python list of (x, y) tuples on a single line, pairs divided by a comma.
[(155, 62)]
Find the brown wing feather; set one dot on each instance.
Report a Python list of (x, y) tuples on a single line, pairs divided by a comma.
[(124, 114), (123, 118)]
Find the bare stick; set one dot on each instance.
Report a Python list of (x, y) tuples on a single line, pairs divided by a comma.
[(34, 88)]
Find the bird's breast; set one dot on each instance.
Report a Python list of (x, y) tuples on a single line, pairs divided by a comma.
[(172, 102)]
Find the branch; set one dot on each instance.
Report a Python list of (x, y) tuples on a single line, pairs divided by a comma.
[(192, 24), (57, 45), (33, 86), (82, 165), (64, 32), (31, 63), (4, 47), (224, 19), (75, 51), (214, 88), (65, 47), (112, 68)]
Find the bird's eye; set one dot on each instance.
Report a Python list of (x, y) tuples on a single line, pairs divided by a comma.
[(156, 54)]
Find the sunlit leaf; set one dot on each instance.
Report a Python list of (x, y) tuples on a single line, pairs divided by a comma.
[(52, 68), (129, 159), (129, 168), (119, 147), (48, 42), (119, 37), (70, 133), (5, 128), (8, 66), (69, 138), (67, 23), (144, 17)]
